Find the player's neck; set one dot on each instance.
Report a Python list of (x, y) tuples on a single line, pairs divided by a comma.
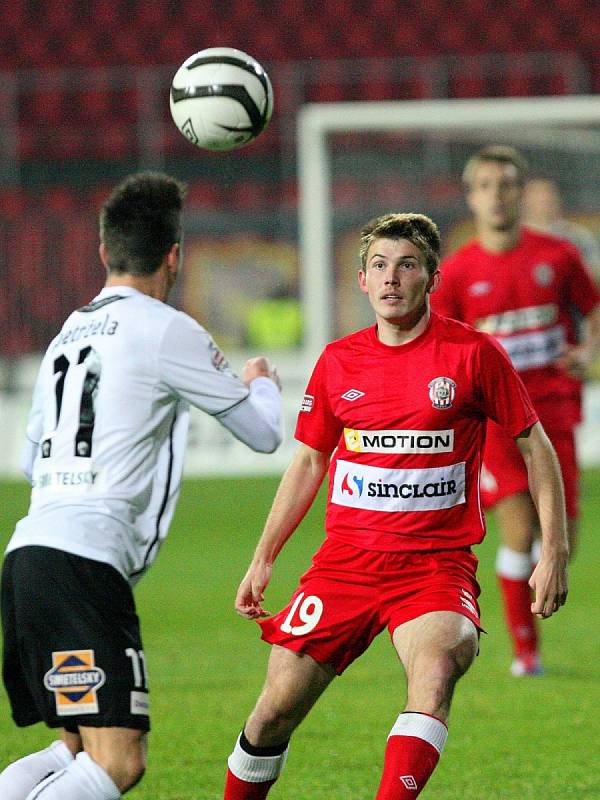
[(499, 241), (394, 333), (153, 285)]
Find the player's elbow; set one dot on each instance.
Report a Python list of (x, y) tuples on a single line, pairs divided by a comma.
[(268, 442)]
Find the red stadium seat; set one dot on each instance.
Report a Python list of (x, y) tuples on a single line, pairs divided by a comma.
[(13, 203), (203, 194), (115, 140)]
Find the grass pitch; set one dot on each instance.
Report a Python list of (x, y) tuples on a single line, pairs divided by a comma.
[(510, 739)]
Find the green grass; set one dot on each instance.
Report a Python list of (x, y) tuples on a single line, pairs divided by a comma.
[(509, 739)]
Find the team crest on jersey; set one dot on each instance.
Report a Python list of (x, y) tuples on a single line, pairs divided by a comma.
[(442, 392), (543, 274), (74, 679)]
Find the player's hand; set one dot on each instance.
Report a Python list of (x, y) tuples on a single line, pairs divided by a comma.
[(549, 582), (576, 361), (251, 591), (259, 367)]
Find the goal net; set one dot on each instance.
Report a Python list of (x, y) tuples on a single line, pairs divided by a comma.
[(359, 160)]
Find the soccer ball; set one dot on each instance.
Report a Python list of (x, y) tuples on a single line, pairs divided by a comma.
[(221, 98)]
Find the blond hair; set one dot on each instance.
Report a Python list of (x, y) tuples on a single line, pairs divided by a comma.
[(497, 154)]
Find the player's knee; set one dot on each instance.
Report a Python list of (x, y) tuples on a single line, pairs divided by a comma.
[(127, 771), (438, 672), (464, 653), (271, 723), (125, 766)]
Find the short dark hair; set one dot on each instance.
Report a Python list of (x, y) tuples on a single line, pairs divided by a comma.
[(497, 154), (415, 228), (141, 221)]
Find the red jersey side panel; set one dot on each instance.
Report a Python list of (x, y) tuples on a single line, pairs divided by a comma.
[(408, 424), (525, 298)]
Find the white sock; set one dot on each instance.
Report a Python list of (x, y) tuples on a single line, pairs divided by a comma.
[(512, 564), (19, 778), (83, 779), (255, 769)]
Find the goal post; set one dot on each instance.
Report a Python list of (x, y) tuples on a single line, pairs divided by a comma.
[(571, 123)]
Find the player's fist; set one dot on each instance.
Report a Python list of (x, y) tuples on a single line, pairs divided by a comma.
[(259, 367)]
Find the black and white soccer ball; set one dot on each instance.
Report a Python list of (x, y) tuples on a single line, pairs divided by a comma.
[(221, 98)]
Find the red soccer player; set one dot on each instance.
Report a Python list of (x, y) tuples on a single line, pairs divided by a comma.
[(523, 287), (396, 413)]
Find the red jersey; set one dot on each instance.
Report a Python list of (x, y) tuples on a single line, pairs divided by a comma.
[(525, 298), (408, 424)]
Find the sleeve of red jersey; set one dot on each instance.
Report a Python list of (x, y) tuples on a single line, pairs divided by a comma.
[(317, 426), (504, 396), (445, 299), (583, 291)]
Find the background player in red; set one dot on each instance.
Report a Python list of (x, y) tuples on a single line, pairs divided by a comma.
[(523, 286), (396, 413)]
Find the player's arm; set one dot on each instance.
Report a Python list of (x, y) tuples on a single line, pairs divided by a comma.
[(549, 578), (34, 431), (192, 366), (257, 421), (578, 359), (294, 497)]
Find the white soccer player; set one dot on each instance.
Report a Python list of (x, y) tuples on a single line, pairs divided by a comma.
[(107, 433), (396, 414)]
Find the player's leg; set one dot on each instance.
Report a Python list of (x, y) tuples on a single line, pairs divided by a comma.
[(505, 489), (518, 525), (81, 667), (112, 762), (436, 649), (293, 684), (22, 776)]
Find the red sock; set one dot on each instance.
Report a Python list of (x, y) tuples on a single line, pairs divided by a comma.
[(521, 623), (236, 789), (412, 753)]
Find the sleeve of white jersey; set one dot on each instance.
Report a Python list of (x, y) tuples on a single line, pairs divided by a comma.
[(193, 367), (34, 431)]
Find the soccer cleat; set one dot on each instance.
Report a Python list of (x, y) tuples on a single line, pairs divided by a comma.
[(527, 666)]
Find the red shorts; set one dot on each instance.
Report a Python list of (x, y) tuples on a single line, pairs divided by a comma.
[(349, 595), (504, 473)]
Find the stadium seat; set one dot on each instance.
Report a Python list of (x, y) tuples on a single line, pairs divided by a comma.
[(202, 194), (115, 140), (13, 203)]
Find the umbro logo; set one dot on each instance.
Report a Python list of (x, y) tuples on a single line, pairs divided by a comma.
[(352, 394), (409, 782)]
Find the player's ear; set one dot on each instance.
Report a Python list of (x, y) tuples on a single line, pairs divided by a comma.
[(103, 255), (173, 258), (362, 281), (434, 281)]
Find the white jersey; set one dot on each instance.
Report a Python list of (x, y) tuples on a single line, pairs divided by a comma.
[(108, 426)]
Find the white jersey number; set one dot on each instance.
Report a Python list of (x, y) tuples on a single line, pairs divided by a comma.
[(309, 610), (78, 380)]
